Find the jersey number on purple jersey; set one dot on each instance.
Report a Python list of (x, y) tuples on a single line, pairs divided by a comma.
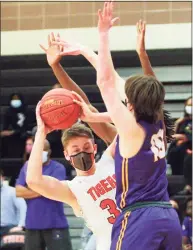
[(157, 145)]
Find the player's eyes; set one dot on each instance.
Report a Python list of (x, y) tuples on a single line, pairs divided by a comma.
[(75, 152)]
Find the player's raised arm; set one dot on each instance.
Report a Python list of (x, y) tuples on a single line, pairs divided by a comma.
[(148, 70), (141, 51), (105, 131), (53, 58), (123, 119), (70, 48), (45, 185)]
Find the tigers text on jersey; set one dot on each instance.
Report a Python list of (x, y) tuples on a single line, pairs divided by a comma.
[(96, 197)]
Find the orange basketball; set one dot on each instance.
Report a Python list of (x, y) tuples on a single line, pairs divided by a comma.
[(58, 110)]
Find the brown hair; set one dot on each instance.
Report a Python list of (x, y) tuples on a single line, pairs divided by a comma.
[(77, 130), (146, 95), (27, 155)]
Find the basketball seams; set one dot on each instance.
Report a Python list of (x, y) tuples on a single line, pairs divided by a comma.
[(55, 108), (56, 114)]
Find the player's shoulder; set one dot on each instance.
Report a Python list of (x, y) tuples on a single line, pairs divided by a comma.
[(106, 156)]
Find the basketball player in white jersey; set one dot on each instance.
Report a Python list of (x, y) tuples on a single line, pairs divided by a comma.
[(91, 193)]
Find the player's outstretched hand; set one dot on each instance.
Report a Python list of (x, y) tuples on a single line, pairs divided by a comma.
[(106, 20), (87, 115), (53, 50), (141, 28), (41, 127), (68, 48)]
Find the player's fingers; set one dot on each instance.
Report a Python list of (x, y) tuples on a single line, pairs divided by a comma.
[(58, 43), (78, 102), (58, 40), (38, 109), (144, 27), (52, 37), (110, 8), (42, 47), (78, 96), (106, 9), (116, 19), (49, 40), (58, 36), (100, 15), (137, 26)]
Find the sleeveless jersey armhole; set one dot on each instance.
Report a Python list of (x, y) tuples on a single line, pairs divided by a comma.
[(142, 145), (77, 212)]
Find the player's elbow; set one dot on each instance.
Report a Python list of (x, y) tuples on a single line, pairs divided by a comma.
[(107, 80), (33, 182)]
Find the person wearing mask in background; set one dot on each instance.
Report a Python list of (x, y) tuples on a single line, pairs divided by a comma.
[(46, 223), (28, 148), (187, 227), (18, 122), (182, 145), (13, 209)]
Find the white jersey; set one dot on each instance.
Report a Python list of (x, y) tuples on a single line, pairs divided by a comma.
[(96, 197)]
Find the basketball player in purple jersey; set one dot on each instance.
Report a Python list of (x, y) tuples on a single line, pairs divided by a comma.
[(147, 221)]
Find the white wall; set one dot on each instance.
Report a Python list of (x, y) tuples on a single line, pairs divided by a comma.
[(160, 36)]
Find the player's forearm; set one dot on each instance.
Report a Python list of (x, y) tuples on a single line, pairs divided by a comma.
[(106, 131), (67, 82), (99, 117), (90, 55), (145, 63), (25, 193), (34, 169), (106, 71)]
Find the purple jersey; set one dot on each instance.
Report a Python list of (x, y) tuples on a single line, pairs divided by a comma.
[(143, 176)]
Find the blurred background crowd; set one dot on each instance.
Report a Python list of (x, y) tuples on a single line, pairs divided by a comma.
[(26, 77)]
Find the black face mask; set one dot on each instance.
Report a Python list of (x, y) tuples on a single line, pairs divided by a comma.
[(82, 161)]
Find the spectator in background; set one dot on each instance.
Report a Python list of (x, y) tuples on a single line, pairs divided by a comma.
[(13, 209), (46, 223), (88, 240), (18, 122), (28, 148), (187, 226), (54, 137), (182, 145), (176, 207)]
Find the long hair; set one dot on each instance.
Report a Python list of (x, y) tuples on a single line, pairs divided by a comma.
[(169, 125), (146, 95)]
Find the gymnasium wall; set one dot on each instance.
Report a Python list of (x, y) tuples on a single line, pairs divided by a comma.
[(26, 24), (50, 15)]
